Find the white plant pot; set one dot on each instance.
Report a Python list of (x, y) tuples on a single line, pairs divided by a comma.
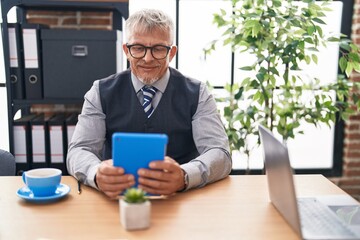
[(135, 216)]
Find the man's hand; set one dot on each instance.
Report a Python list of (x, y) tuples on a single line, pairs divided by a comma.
[(112, 180), (163, 178)]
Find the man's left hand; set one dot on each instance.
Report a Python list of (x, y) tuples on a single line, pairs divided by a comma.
[(163, 178)]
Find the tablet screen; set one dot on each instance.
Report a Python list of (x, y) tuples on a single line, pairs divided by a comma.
[(132, 151)]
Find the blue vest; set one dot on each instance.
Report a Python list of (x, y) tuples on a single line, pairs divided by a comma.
[(173, 115)]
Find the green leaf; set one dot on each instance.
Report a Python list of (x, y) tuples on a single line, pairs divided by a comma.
[(314, 58), (356, 66), (274, 71), (354, 57), (246, 68), (333, 39), (276, 3), (311, 30), (260, 76), (309, 40), (257, 96), (239, 93), (342, 64), (254, 84), (345, 46), (318, 20), (349, 69)]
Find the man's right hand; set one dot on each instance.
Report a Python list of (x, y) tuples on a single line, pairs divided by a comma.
[(112, 180)]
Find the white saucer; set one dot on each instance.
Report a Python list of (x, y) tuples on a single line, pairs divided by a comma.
[(61, 191)]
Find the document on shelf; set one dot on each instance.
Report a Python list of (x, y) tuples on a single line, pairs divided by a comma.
[(20, 144), (56, 144), (30, 48), (38, 142), (13, 47)]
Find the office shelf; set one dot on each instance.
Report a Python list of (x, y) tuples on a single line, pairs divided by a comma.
[(119, 9)]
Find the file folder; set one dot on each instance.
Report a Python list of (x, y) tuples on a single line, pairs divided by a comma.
[(22, 143), (32, 60), (38, 139), (16, 61), (57, 142)]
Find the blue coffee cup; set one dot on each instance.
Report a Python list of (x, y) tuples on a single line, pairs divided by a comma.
[(42, 181)]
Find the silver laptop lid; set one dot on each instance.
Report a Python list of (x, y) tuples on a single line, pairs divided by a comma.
[(280, 178)]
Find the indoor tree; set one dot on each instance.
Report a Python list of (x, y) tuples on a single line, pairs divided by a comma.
[(281, 36)]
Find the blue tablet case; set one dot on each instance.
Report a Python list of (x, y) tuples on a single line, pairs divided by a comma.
[(132, 151)]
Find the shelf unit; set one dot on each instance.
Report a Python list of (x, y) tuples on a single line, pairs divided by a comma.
[(119, 9)]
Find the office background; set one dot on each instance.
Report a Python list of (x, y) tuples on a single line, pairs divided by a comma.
[(350, 162)]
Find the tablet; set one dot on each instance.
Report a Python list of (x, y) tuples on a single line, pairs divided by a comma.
[(132, 151)]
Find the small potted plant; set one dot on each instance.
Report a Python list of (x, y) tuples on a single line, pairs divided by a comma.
[(135, 209)]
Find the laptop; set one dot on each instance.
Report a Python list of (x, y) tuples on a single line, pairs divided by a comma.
[(315, 217)]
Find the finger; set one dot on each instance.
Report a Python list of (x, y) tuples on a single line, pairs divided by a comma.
[(151, 182), (110, 179), (108, 183), (113, 190), (110, 170), (117, 187), (163, 165), (169, 159), (154, 174)]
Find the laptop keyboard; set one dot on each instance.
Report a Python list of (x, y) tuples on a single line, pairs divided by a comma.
[(318, 220)]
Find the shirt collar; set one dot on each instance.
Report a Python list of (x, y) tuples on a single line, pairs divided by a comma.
[(159, 84)]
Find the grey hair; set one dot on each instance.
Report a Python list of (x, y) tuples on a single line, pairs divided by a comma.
[(148, 20)]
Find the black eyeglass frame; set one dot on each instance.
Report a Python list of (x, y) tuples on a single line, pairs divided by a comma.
[(151, 50)]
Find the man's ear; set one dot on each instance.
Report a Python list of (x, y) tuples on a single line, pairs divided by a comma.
[(172, 52), (125, 49)]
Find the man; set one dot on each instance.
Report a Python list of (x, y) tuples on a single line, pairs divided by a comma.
[(181, 107)]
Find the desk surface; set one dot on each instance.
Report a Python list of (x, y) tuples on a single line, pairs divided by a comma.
[(237, 207)]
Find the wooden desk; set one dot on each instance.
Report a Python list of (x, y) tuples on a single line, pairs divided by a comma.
[(237, 207)]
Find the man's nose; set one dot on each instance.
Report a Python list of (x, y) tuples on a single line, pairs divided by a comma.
[(148, 56)]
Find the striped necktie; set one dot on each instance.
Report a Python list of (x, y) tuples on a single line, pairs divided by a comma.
[(148, 92)]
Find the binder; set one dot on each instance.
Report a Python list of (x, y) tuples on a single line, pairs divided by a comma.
[(22, 143), (32, 60), (16, 61), (57, 142), (38, 139)]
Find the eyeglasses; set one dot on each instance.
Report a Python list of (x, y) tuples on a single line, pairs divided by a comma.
[(139, 51)]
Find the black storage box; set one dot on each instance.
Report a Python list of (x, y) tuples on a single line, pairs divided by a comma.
[(74, 59)]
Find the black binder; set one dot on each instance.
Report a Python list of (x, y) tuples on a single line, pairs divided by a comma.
[(32, 60), (57, 142), (22, 143), (16, 61)]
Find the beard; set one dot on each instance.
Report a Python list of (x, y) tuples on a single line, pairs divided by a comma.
[(148, 81), (145, 76)]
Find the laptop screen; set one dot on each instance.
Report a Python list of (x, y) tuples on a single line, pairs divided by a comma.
[(280, 178)]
